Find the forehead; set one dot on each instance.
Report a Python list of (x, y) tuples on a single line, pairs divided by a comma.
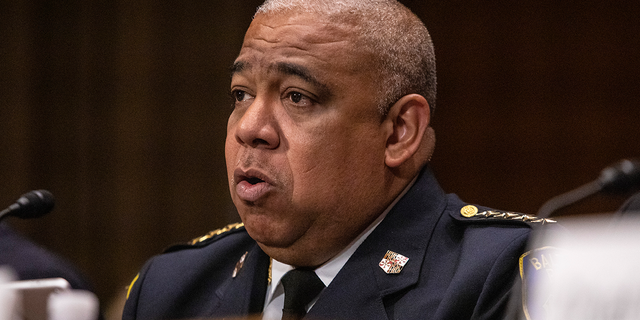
[(312, 29), (302, 39)]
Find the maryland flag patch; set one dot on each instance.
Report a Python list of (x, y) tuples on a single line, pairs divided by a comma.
[(392, 263)]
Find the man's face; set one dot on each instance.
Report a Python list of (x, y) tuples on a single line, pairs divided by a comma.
[(305, 143)]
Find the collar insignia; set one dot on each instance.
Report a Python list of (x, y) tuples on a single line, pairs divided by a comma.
[(239, 264), (392, 263)]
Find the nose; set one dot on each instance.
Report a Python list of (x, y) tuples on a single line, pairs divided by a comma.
[(257, 127)]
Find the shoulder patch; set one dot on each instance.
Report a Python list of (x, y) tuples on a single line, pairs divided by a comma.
[(131, 285), (471, 213), (201, 241), (536, 266)]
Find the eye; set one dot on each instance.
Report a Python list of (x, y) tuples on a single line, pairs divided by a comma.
[(240, 98), (239, 95), (295, 97), (298, 99)]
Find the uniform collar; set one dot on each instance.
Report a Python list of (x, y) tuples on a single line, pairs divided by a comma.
[(406, 230)]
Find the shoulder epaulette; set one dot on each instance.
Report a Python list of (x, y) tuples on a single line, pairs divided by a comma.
[(217, 232), (471, 212), (212, 235)]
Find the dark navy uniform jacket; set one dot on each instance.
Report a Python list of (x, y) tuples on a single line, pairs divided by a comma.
[(459, 268), (32, 261)]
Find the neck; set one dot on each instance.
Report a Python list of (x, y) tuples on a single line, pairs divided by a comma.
[(322, 243)]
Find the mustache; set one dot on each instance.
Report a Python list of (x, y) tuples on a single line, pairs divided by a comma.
[(249, 162), (248, 159)]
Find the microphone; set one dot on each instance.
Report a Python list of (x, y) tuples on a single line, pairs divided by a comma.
[(619, 178), (32, 204)]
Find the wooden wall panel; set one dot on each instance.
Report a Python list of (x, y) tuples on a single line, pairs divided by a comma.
[(119, 108), (535, 97)]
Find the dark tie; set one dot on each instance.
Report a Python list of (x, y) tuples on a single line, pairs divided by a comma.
[(301, 286)]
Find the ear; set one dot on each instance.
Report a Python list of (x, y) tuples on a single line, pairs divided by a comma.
[(408, 119)]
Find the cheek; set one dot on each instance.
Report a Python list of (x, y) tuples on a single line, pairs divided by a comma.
[(329, 162), (231, 145), (230, 151), (231, 154)]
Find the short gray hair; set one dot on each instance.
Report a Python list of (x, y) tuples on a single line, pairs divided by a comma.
[(388, 30)]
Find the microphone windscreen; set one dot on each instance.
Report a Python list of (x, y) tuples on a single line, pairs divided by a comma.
[(620, 177), (34, 204)]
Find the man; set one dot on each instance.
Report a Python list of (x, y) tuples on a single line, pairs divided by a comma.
[(327, 156)]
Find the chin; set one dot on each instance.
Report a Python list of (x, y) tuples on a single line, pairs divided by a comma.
[(295, 255), (269, 233)]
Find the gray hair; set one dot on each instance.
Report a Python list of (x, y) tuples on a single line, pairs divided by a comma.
[(390, 32)]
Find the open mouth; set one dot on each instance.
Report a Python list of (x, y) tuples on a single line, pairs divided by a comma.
[(252, 185), (251, 177), (253, 180)]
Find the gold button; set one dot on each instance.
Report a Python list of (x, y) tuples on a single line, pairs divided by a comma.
[(469, 211)]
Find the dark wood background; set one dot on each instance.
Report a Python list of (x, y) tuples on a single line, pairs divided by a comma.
[(119, 108)]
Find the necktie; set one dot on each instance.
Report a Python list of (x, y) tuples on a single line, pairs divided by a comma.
[(301, 286)]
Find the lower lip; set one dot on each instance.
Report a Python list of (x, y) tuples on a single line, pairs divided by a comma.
[(252, 192)]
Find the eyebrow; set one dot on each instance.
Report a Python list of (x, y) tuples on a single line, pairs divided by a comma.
[(238, 66), (304, 74), (298, 71), (286, 69)]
